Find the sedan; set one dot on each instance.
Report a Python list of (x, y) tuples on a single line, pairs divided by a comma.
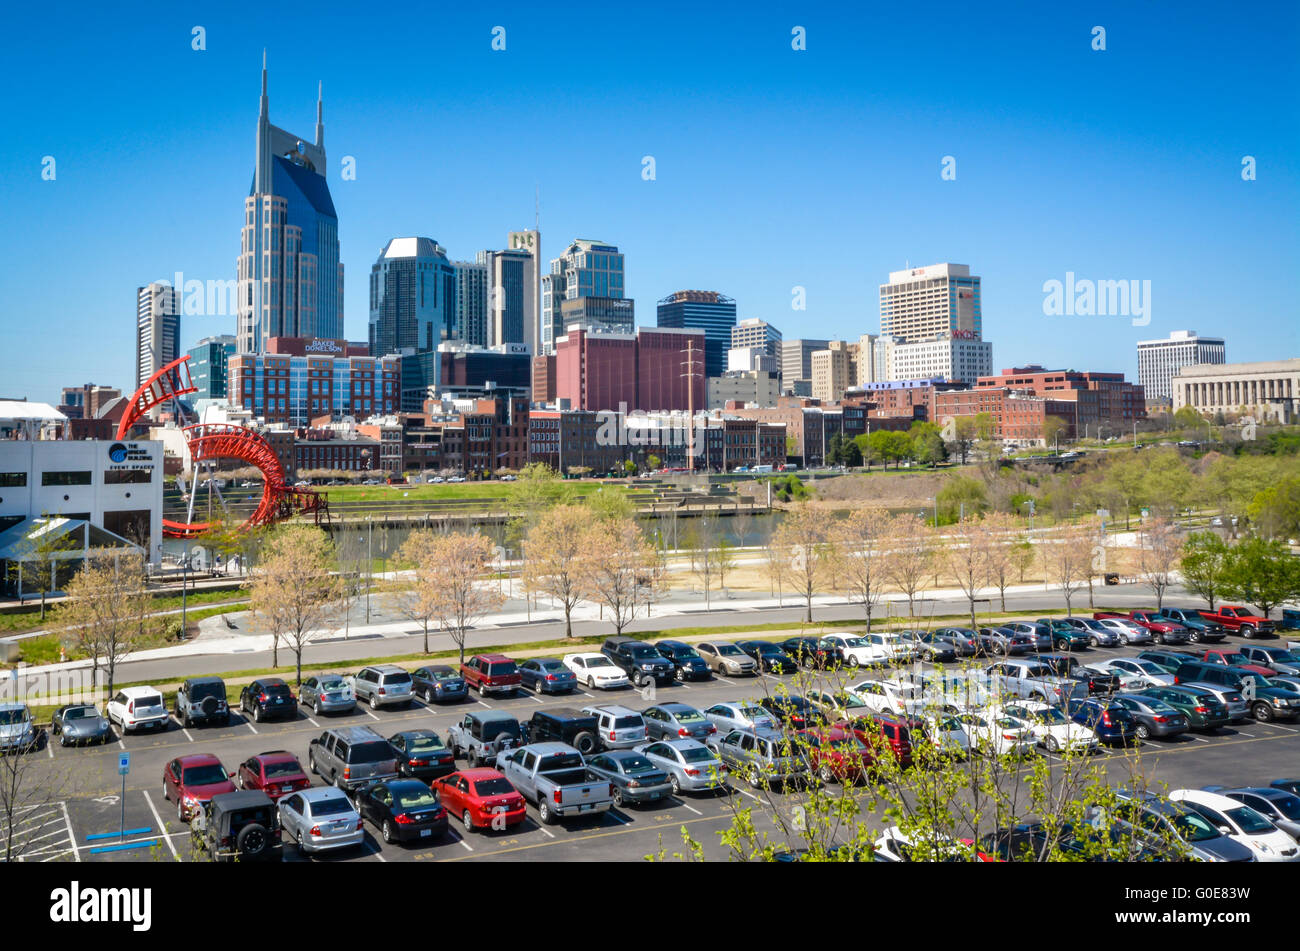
[(81, 723), (1204, 711), (547, 675), (1001, 642), (690, 765), (632, 777), (686, 659), (836, 705), (807, 652), (959, 646), (833, 754), (1155, 718), (1279, 659), (1278, 806), (739, 715), (327, 694), (596, 671), (1167, 661), (792, 711), (770, 656), (421, 754), (481, 799), (439, 684), (1001, 735), (1041, 636), (321, 820), (723, 657), (1098, 634), (1050, 727), (276, 773), (1135, 673), (403, 809), (191, 781), (676, 720), (1111, 722), (1128, 632), (937, 652), (986, 644), (1266, 841)]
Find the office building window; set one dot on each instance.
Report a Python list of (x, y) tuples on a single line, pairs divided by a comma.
[(65, 478)]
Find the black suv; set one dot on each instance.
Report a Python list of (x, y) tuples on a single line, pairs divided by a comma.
[(1267, 700), (202, 700), (241, 826), (686, 659), (563, 725), (268, 697), (641, 661)]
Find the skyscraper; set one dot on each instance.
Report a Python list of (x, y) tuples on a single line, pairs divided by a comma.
[(709, 311), (586, 269), (1160, 360), (510, 290), (157, 329), (412, 296), (530, 241), (757, 333), (926, 303), (290, 275), (796, 361), (208, 362), (470, 323)]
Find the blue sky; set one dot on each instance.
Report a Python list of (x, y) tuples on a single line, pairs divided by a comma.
[(775, 168)]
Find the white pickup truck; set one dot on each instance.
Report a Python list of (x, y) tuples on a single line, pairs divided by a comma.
[(555, 777), (1034, 680)]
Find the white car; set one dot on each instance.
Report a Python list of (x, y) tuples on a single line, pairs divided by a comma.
[(883, 696), (1003, 735), (1128, 632), (895, 845), (1050, 727), (595, 670), (1238, 821), (853, 651), (947, 733), (138, 708), (1133, 672)]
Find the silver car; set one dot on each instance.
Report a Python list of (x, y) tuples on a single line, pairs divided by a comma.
[(321, 819), (739, 715), (690, 765), (328, 693), (17, 728), (1126, 631), (673, 720)]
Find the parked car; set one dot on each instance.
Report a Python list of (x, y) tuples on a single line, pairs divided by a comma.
[(564, 725), (832, 705), (676, 720), (740, 715), (327, 693), (482, 734), (202, 700), (243, 826), (1098, 679), (641, 662), (276, 773), (1049, 726), (1279, 659), (884, 734), (1163, 822), (998, 734), (596, 671), (724, 657), (791, 710), (1266, 841), (686, 660), (1126, 630), (763, 757), (351, 756), (769, 656), (1278, 806), (1032, 680), (617, 727), (1041, 635), (1167, 661), (1098, 634), (421, 754), (1155, 718), (807, 652), (555, 777), (1134, 673), (383, 685), (1111, 721), (935, 650), (1232, 658), (1065, 636), (482, 799), (947, 734), (887, 696), (1199, 630), (403, 809), (998, 641), (1240, 620), (1205, 712), (988, 642), (1288, 785), (1264, 700), (189, 781), (491, 673), (138, 708), (944, 643), (633, 778), (1163, 629), (833, 754), (73, 724), (268, 697), (322, 819), (691, 766), (547, 675), (1232, 700), (439, 683)]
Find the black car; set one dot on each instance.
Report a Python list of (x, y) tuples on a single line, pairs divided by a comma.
[(563, 725), (1097, 681), (641, 662), (808, 652), (1154, 717), (81, 723), (686, 660), (793, 711), (769, 655), (267, 698), (438, 684), (422, 754), (404, 810), (202, 700)]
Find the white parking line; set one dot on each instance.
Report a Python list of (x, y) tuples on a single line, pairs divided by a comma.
[(1199, 739), (745, 792), (187, 734), (686, 805), (249, 723), (158, 819), (49, 747), (1278, 726), (535, 699), (585, 694), (369, 713), (460, 839), (482, 704), (313, 722), (621, 820), (72, 836), (1244, 733)]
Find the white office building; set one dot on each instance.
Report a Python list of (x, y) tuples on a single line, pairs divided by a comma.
[(157, 329), (950, 358), (925, 303), (1160, 360)]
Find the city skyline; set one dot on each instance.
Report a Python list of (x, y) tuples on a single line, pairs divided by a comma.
[(772, 168)]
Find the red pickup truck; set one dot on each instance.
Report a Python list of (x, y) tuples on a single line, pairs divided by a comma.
[(1162, 629), (1239, 619), (1230, 657), (491, 673)]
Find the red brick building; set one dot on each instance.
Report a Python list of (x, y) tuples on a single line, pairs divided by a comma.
[(649, 370), (1017, 415), (1096, 397)]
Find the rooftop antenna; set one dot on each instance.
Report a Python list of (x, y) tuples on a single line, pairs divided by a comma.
[(537, 207)]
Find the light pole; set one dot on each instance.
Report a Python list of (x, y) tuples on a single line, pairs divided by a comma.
[(370, 562)]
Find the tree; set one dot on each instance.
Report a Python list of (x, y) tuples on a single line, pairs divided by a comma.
[(553, 558), (861, 556), (961, 496), (537, 488), (927, 444), (961, 435), (995, 543), (1205, 565), (1067, 560), (964, 559), (610, 504), (1187, 418), (1053, 428), (353, 560), (419, 599), (908, 555), (804, 535), (1159, 549), (619, 569), (458, 563), (653, 462), (1263, 573), (851, 454), (705, 538), (724, 559), (294, 585), (1275, 511), (107, 613), (1023, 556)]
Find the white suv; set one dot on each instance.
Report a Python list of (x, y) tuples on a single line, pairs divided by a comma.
[(138, 708), (882, 696), (620, 728)]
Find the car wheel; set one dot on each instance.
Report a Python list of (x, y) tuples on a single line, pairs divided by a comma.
[(1262, 712), (853, 662), (618, 797), (544, 812), (1195, 637), (311, 764), (467, 820), (1052, 745), (1094, 642), (63, 739), (826, 775), (167, 796), (387, 831), (677, 786), (180, 811), (755, 778), (584, 743), (1142, 732), (374, 703), (472, 758)]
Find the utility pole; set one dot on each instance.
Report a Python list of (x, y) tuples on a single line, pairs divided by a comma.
[(690, 406)]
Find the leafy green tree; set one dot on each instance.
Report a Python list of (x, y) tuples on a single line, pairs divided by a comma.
[(961, 493), (851, 454), (1263, 573), (1275, 511), (1186, 418), (1204, 565), (928, 447)]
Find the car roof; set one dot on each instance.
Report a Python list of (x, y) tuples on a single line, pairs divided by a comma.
[(680, 743), (614, 709), (1213, 800), (1264, 792), (386, 668), (486, 716), (585, 654), (672, 705), (481, 773), (139, 691), (197, 759), (494, 658), (322, 793), (439, 668), (355, 734), (204, 680), (565, 713), (275, 755), (13, 706), (418, 731), (240, 799)]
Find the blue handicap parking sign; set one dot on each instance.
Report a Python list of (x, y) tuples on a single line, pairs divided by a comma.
[(123, 763)]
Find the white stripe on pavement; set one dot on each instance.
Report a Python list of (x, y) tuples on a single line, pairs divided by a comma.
[(158, 819), (72, 836), (187, 734)]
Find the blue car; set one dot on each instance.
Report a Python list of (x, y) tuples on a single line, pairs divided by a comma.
[(547, 675), (438, 684), (1108, 719)]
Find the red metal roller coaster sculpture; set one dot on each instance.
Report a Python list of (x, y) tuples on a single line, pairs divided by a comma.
[(211, 441)]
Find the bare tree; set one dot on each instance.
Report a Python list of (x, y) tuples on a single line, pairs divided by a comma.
[(861, 537), (619, 569), (108, 611), (908, 555), (1159, 551), (806, 538), (964, 560), (419, 600), (459, 562), (294, 585), (995, 543), (553, 561), (1067, 560)]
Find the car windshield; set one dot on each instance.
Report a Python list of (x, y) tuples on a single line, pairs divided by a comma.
[(854, 642), (644, 653), (845, 744), (444, 673), (1006, 723), (754, 713), (1049, 715), (729, 650), (282, 768), (334, 683), (949, 725), (1249, 821), (697, 754), (208, 775), (75, 713), (1289, 806), (553, 667), (558, 761), (1284, 656), (1147, 667), (1194, 828), (372, 752), (334, 806), (1235, 659), (601, 661), (493, 787), (423, 744), (414, 797), (502, 668)]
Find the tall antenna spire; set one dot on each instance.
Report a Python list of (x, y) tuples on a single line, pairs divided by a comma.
[(537, 207), (320, 114)]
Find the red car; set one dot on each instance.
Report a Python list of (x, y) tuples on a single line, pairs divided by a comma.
[(1226, 655), (834, 754), (491, 673), (478, 797), (1242, 620), (276, 773), (883, 731), (190, 781)]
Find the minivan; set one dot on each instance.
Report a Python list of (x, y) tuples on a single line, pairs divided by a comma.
[(351, 757)]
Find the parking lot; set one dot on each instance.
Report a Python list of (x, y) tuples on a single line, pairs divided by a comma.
[(91, 802)]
